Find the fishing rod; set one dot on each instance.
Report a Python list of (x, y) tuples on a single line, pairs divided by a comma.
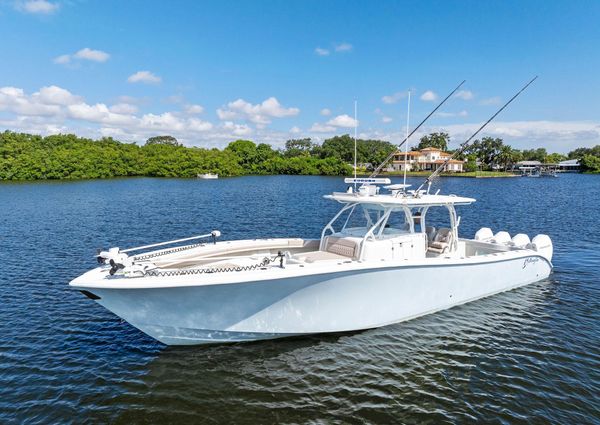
[(391, 155), (463, 146)]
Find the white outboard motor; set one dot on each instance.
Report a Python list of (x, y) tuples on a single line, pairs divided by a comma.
[(521, 240), (484, 234), (543, 245), (502, 237)]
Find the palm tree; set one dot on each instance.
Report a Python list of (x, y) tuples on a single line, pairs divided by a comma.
[(507, 156)]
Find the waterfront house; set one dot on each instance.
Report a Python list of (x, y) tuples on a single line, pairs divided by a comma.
[(428, 159), (569, 165)]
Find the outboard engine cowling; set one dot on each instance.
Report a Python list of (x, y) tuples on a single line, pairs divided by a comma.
[(521, 240), (483, 234), (502, 237), (543, 245)]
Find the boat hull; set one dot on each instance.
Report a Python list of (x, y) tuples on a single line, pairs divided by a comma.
[(319, 303)]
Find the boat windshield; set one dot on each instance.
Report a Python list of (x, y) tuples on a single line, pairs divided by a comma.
[(358, 219)]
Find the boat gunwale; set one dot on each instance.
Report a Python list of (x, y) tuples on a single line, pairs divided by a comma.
[(316, 269)]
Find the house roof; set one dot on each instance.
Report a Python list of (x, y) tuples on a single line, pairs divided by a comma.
[(569, 163), (409, 153)]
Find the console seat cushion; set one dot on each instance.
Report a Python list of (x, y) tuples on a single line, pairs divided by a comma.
[(341, 246)]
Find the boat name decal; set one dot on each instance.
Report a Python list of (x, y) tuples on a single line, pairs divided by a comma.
[(530, 260)]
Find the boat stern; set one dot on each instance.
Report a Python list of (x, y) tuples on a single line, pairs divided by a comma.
[(542, 244)]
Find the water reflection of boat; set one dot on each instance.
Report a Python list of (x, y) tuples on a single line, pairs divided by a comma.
[(362, 273)]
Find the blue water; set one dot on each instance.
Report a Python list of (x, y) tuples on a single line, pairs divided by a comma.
[(527, 356)]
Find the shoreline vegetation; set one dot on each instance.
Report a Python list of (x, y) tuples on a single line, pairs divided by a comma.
[(65, 156)]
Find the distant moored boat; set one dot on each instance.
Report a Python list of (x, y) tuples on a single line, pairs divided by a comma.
[(208, 176)]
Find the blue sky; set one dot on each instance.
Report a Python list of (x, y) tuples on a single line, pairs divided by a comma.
[(212, 72)]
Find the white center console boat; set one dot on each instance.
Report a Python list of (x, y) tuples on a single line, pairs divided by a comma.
[(381, 259)]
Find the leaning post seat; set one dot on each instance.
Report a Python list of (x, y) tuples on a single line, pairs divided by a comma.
[(441, 241)]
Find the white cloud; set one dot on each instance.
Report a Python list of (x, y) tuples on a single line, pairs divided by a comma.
[(50, 109), (193, 109), (325, 112), (53, 109), (429, 96), (260, 114), (337, 48), (13, 99), (322, 128), (40, 7), (144, 77), (92, 55), (464, 94), (197, 125), (62, 59), (340, 121), (345, 121), (237, 129), (124, 108), (174, 98), (452, 114), (84, 54), (54, 95), (225, 114), (99, 113), (491, 101), (130, 99), (46, 101), (166, 121), (343, 47), (386, 120), (393, 98)]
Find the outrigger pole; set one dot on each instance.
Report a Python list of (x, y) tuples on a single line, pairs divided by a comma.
[(390, 156), (463, 146)]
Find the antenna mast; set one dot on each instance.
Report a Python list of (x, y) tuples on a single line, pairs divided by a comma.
[(406, 145), (355, 133), (463, 146)]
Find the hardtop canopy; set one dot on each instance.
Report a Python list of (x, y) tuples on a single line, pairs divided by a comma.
[(408, 200)]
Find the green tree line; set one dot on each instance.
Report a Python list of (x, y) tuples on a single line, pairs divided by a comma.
[(66, 156)]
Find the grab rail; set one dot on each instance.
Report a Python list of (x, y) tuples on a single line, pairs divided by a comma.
[(215, 234)]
